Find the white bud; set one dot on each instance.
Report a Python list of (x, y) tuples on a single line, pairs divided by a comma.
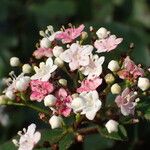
[(84, 35), (26, 68), (112, 126), (63, 82), (77, 104), (109, 78), (14, 61), (50, 100), (102, 33), (57, 50), (15, 142), (22, 84), (113, 65), (10, 95), (115, 88), (59, 62), (75, 95), (55, 122), (143, 83), (45, 43)]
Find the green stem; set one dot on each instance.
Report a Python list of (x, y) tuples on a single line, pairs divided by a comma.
[(30, 106)]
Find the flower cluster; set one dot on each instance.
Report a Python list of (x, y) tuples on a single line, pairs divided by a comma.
[(73, 77)]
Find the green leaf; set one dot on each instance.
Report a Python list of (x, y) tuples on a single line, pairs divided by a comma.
[(66, 141), (52, 136), (8, 146), (121, 135)]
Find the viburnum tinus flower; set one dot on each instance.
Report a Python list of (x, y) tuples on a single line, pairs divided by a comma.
[(44, 71), (28, 138), (77, 55), (126, 102), (68, 35)]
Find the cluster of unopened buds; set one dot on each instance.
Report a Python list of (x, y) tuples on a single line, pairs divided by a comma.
[(70, 74)]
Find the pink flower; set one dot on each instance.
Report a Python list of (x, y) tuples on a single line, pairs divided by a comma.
[(130, 70), (42, 52), (63, 100), (89, 85), (70, 34), (107, 44), (40, 89), (77, 55), (126, 102)]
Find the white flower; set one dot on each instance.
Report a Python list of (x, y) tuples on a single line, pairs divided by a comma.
[(44, 71), (45, 43), (115, 88), (57, 50), (77, 55), (55, 121), (113, 65), (50, 100), (94, 68), (14, 61), (26, 68), (87, 103), (28, 139), (22, 83), (143, 83), (112, 126), (102, 33)]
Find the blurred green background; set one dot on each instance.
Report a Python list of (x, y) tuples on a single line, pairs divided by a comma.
[(21, 20)]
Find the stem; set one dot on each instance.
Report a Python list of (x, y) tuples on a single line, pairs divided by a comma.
[(86, 131), (30, 106)]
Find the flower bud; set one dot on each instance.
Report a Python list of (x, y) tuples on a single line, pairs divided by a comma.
[(14, 61), (113, 65), (112, 126), (59, 62), (57, 50), (77, 104), (63, 82), (10, 95), (50, 100), (102, 33), (22, 84), (143, 83), (45, 43), (26, 68), (109, 78), (84, 35), (115, 88), (55, 122)]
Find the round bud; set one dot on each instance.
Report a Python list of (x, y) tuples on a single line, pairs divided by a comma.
[(109, 78), (102, 33), (112, 126), (143, 83), (115, 88), (113, 65), (14, 61), (26, 68), (55, 122), (77, 104), (50, 100), (45, 43), (63, 82), (59, 62), (22, 84), (57, 50), (84, 35)]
